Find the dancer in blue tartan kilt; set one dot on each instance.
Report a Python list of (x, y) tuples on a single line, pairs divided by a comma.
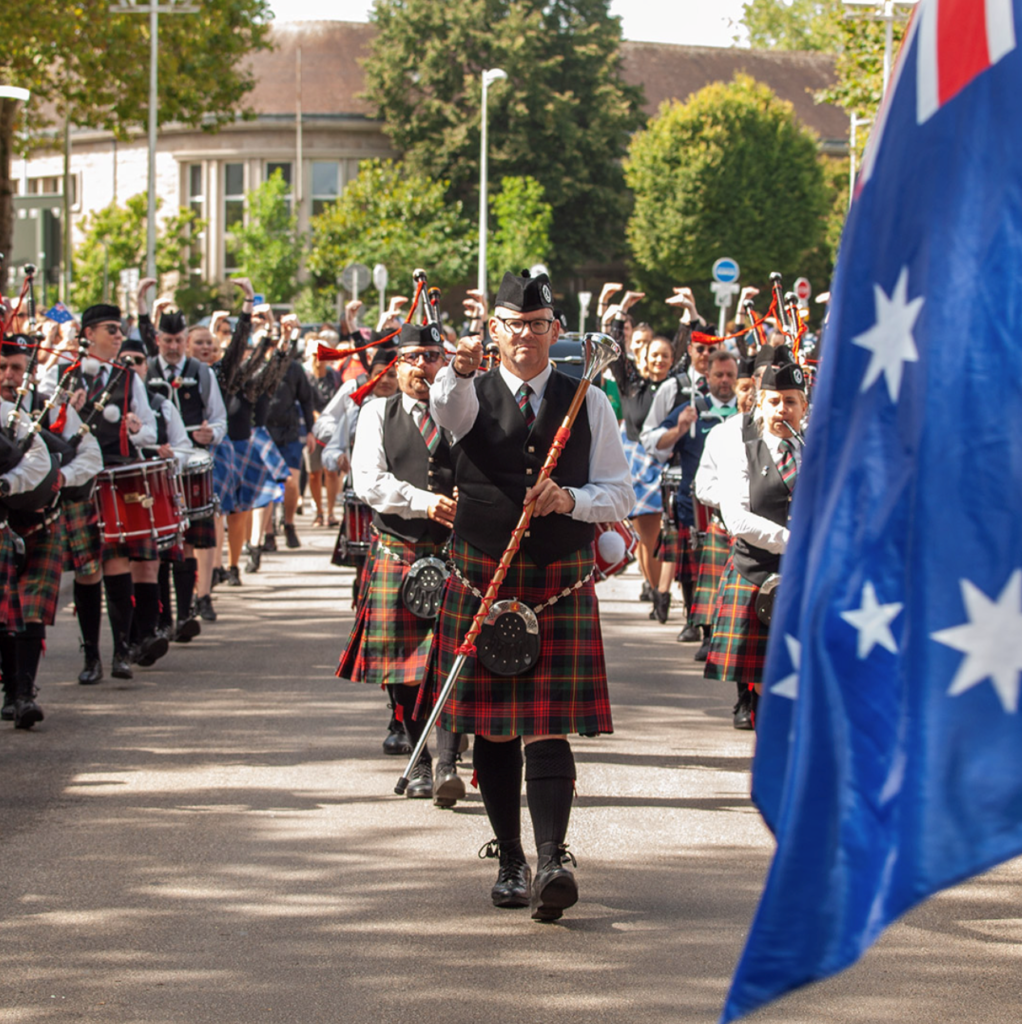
[(401, 468), (503, 423)]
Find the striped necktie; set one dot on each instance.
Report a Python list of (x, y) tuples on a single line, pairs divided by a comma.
[(786, 464), (428, 429), (522, 394)]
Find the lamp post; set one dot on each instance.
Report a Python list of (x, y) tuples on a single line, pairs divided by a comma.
[(885, 11), (154, 10), (492, 75), (17, 95)]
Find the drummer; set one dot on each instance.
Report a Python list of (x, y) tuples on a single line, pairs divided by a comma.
[(38, 584), (195, 393), (126, 424)]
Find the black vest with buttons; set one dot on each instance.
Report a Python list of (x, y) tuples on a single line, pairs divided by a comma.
[(499, 458), (769, 497), (109, 434), (187, 397), (156, 400), (409, 460)]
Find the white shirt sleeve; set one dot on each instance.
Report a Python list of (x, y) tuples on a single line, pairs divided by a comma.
[(216, 411), (708, 474), (34, 464), (337, 445), (608, 496), (734, 503), (663, 402), (326, 423), (89, 459), (177, 434), (373, 481), (453, 402), (146, 436)]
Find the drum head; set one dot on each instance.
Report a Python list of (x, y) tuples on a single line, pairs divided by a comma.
[(423, 587), (508, 643)]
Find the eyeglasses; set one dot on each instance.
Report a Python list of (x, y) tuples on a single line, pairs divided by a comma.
[(111, 328), (133, 360), (703, 349), (538, 327), (426, 357)]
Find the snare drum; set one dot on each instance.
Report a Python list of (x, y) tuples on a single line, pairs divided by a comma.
[(670, 483), (197, 491), (354, 539), (615, 548), (138, 500), (702, 516)]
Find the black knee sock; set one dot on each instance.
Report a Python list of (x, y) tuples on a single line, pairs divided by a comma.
[(89, 609), (147, 608), (406, 697), (687, 591), (9, 666), (447, 744), (185, 574), (549, 788), (392, 704), (119, 607), (166, 613), (498, 768), (29, 651)]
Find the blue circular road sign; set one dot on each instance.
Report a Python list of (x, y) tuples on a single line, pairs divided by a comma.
[(725, 270)]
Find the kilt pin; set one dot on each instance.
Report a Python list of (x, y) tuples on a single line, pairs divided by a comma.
[(713, 556), (566, 692), (388, 644)]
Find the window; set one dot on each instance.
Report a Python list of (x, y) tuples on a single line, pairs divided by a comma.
[(325, 178), (285, 173), (234, 209), (53, 185), (197, 204)]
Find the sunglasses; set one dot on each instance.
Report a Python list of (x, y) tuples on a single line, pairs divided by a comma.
[(703, 349), (426, 357), (111, 328), (134, 360)]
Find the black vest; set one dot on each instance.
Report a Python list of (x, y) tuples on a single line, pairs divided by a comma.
[(408, 459), (106, 433), (156, 400), (769, 497), (187, 397), (499, 458)]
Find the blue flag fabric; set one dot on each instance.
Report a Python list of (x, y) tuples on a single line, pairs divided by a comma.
[(59, 313), (889, 740)]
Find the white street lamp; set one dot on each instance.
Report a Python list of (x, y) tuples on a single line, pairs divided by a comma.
[(492, 75)]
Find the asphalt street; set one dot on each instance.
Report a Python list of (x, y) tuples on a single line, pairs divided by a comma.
[(218, 841)]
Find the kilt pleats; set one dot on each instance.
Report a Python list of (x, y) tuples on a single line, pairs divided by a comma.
[(713, 556), (39, 582), (83, 543), (738, 648)]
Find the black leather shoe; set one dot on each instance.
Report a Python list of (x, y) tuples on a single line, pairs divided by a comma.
[(555, 888), (121, 666), (204, 608), (254, 560), (150, 650), (743, 717), (219, 576), (421, 786), (704, 650), (514, 878), (448, 786), (233, 577), (270, 542), (646, 594), (661, 606), (690, 635), (291, 536), (92, 672), (26, 713), (7, 712), (186, 631), (397, 742)]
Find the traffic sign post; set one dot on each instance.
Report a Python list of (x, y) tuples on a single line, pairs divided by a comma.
[(803, 290), (380, 279), (725, 270), (724, 292)]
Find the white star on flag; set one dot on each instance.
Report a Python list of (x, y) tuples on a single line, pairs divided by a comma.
[(788, 686), (991, 641), (890, 338), (873, 621)]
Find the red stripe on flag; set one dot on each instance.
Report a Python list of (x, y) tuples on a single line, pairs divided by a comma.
[(962, 51)]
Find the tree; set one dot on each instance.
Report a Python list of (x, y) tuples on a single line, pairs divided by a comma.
[(563, 115), (115, 240), (394, 216), (521, 236), (793, 24), (267, 248), (83, 62), (730, 172)]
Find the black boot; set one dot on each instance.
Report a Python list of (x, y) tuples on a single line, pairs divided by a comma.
[(555, 888), (704, 648), (421, 786), (514, 877), (661, 605), (119, 609), (9, 671), (743, 709), (29, 647), (448, 786), (396, 743), (89, 611)]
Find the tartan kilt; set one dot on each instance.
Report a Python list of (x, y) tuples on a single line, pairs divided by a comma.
[(739, 643), (136, 549), (10, 602), (39, 582), (566, 692), (645, 478), (226, 478), (83, 543), (201, 533), (713, 556), (388, 644), (261, 471), (675, 546)]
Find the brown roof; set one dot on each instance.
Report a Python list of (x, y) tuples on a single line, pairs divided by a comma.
[(332, 77)]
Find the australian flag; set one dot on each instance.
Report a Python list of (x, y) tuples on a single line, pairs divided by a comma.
[(889, 746)]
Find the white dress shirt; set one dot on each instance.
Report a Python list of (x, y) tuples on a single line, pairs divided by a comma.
[(214, 409), (88, 460), (373, 481), (608, 496), (35, 463), (665, 399), (339, 407)]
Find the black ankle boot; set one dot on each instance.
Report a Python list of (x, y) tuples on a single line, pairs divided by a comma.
[(661, 605), (514, 877), (555, 888)]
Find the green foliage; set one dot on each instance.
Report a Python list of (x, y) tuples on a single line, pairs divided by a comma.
[(521, 233), (316, 305), (267, 248), (394, 216), (115, 240), (563, 115), (793, 24), (730, 172)]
